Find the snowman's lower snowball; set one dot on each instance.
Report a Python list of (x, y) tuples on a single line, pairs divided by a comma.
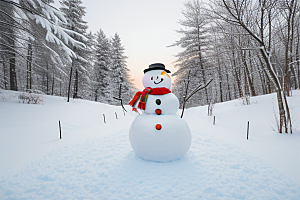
[(169, 143)]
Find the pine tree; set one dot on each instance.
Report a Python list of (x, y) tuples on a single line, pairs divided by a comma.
[(91, 58), (74, 12), (119, 71), (102, 69), (34, 36)]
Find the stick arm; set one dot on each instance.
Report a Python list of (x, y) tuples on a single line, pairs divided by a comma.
[(121, 102), (198, 88)]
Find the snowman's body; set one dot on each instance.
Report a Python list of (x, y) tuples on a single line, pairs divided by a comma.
[(167, 103), (173, 139)]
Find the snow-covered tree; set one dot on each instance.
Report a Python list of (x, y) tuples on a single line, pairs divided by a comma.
[(119, 72), (102, 68), (195, 43), (7, 46), (256, 26), (74, 12), (42, 48), (35, 25)]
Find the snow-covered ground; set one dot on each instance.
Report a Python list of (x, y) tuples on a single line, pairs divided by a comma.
[(94, 160)]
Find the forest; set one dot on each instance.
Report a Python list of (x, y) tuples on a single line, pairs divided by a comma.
[(246, 47), (49, 51)]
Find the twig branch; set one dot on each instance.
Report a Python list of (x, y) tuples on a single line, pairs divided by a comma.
[(121, 102), (198, 88)]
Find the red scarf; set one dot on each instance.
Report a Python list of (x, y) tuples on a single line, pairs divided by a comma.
[(144, 95)]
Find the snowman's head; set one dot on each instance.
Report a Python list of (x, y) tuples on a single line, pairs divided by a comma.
[(157, 78)]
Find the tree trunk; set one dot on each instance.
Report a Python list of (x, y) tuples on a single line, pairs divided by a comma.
[(228, 88), (262, 80), (281, 112), (69, 88), (59, 88), (251, 84), (235, 73), (236, 77), (289, 121), (27, 74), (298, 56), (291, 8), (29, 61), (43, 82), (12, 71), (278, 89), (30, 77), (96, 95), (76, 85), (221, 90), (12, 56), (220, 79), (297, 59), (246, 84), (12, 66), (261, 76), (4, 74), (47, 78), (238, 81), (120, 91), (287, 71), (267, 80), (52, 82), (268, 83)]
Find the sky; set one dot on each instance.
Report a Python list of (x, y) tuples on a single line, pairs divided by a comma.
[(146, 28)]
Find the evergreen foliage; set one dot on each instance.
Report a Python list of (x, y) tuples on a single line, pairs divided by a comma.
[(119, 71), (102, 68), (40, 46)]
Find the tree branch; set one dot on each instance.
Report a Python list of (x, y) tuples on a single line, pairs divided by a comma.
[(198, 88), (121, 103)]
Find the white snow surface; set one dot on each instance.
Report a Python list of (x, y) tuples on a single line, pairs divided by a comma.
[(94, 160)]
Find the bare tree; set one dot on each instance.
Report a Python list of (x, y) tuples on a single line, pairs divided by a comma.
[(250, 15)]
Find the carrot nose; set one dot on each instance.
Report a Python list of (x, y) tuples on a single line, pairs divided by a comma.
[(165, 73)]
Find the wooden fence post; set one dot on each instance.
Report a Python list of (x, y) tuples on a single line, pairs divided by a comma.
[(59, 129), (248, 130)]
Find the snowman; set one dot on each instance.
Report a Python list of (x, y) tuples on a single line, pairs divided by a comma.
[(158, 133)]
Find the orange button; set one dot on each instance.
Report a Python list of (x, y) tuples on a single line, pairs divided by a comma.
[(158, 126), (158, 111)]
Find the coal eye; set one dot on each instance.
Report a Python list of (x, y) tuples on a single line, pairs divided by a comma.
[(157, 77), (152, 78)]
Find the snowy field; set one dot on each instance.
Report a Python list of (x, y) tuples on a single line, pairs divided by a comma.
[(94, 160)]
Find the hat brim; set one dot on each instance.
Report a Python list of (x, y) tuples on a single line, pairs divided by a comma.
[(156, 68)]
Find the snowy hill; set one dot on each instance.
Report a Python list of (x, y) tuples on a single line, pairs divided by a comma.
[(94, 159)]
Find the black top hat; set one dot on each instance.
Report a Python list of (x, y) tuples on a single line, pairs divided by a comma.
[(156, 66)]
